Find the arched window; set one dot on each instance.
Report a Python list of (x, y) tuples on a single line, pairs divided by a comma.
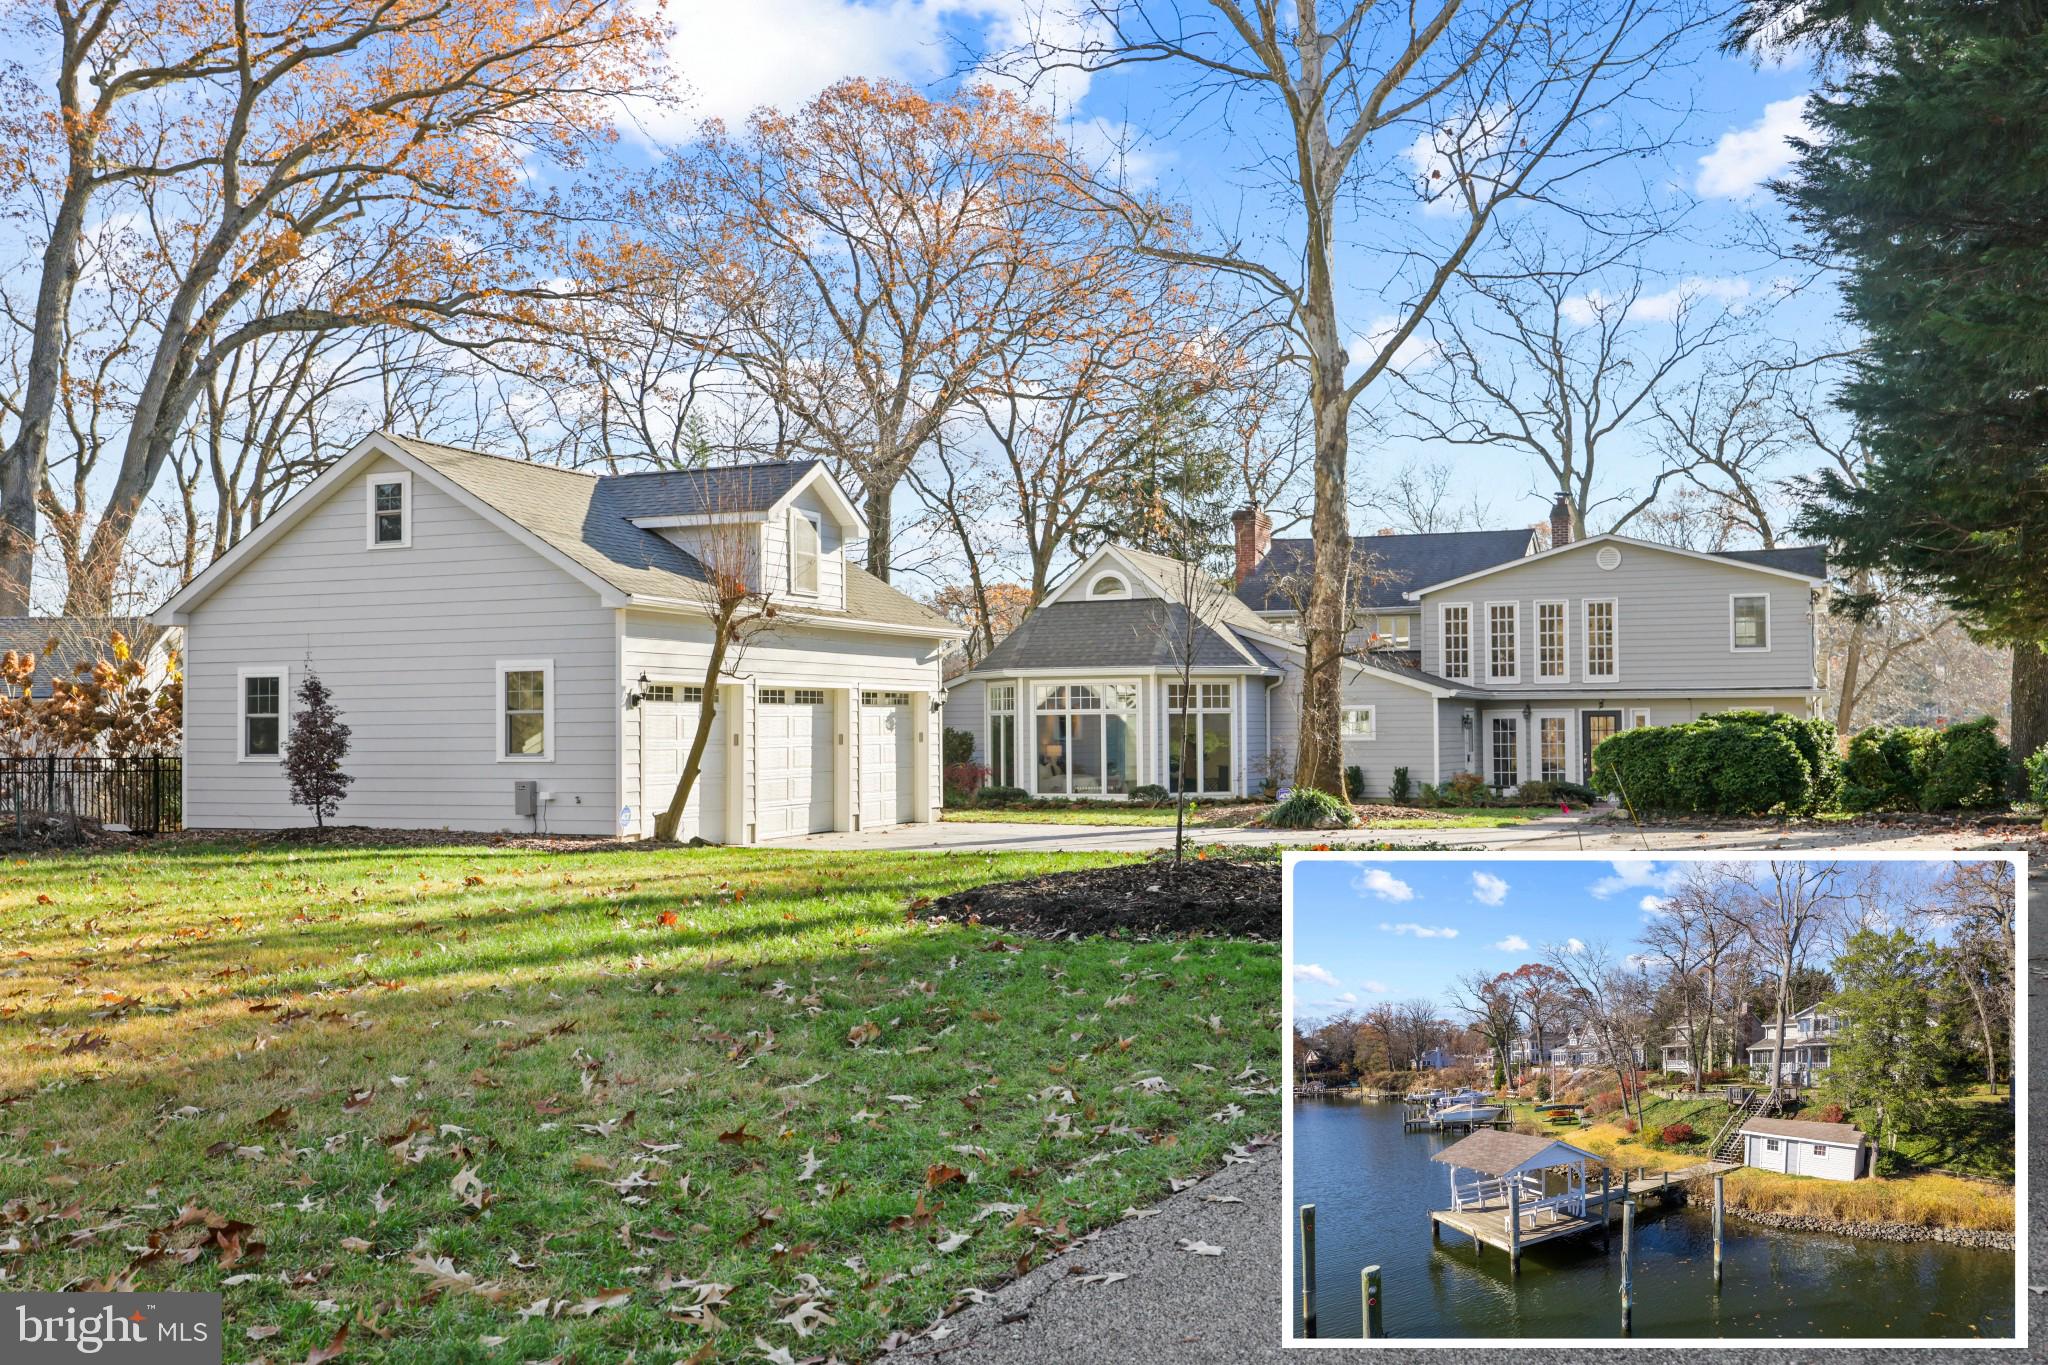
[(1108, 585)]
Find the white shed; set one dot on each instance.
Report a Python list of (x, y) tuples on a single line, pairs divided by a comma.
[(1829, 1151)]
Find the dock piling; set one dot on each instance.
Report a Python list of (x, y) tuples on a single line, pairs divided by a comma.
[(1628, 1229), (1606, 1209), (1369, 1295), (1719, 1200), (1308, 1270), (1515, 1228)]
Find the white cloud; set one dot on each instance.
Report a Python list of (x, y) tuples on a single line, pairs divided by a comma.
[(1348, 997), (1654, 904), (1744, 158), (1488, 889), (1513, 943), (1586, 308), (1572, 945), (1376, 987), (1416, 352), (1377, 881), (1419, 930), (1310, 971), (1638, 874)]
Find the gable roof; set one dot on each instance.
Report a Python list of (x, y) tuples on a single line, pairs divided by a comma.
[(1397, 564), (1141, 632), (1806, 1130), (1493, 1152), (64, 644), (1805, 562), (583, 521), (1164, 573)]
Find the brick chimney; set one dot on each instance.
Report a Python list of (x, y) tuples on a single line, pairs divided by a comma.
[(1560, 522), (1254, 537)]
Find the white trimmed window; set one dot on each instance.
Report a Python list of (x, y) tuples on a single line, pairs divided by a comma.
[(1749, 621), (1503, 641), (526, 710), (1002, 734), (1199, 748), (870, 698), (388, 510), (1603, 639), (1551, 655), (1642, 719), (671, 692), (1358, 722), (803, 553), (262, 697), (1456, 645), (1109, 585)]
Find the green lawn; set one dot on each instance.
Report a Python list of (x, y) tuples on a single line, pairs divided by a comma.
[(1241, 817), (483, 1103)]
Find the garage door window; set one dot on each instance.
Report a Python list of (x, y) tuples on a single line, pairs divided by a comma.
[(1086, 738), (885, 699)]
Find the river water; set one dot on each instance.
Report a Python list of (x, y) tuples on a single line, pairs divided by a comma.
[(1373, 1186)]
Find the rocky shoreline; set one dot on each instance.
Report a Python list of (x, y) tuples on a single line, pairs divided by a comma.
[(1981, 1238)]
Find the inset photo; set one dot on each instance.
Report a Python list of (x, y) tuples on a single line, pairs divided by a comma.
[(1702, 1100)]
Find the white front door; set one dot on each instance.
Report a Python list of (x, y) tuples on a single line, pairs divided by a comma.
[(1503, 750), (668, 727), (793, 761), (886, 734)]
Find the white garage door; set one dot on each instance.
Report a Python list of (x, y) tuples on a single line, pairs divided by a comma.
[(668, 726), (793, 762), (885, 777)]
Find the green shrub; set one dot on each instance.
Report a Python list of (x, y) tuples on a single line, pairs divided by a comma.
[(1636, 766), (1815, 741), (1970, 768), (1000, 797), (1402, 787), (2037, 776), (1430, 795), (1737, 768), (1887, 766), (1466, 789), (1307, 808), (1354, 782), (1149, 794), (959, 746)]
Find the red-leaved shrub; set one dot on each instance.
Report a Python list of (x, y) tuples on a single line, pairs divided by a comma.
[(1628, 1125), (1834, 1113), (1675, 1134), (1606, 1102)]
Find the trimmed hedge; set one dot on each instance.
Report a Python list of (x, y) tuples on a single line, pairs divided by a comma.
[(1730, 763), (1914, 767), (2037, 776)]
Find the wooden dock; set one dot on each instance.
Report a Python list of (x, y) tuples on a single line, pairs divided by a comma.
[(1487, 1224)]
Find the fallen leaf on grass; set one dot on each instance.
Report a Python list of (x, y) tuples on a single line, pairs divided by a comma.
[(354, 1244), (953, 1241), (863, 1033), (320, 1355), (261, 1333), (598, 1302)]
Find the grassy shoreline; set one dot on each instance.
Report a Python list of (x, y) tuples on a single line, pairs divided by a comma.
[(679, 1100)]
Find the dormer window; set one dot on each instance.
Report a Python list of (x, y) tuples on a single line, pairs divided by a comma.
[(803, 554), (389, 511), (1109, 585)]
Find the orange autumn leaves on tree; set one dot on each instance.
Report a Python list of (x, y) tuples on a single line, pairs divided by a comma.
[(109, 705), (870, 256)]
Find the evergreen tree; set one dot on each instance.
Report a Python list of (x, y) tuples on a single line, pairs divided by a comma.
[(1894, 1049), (313, 754), (1928, 183)]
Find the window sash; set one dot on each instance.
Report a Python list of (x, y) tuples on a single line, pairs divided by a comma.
[(1504, 756), (389, 508), (262, 715), (1457, 642), (525, 700), (1503, 632), (803, 554), (1550, 640), (1602, 640), (1358, 722), (1750, 622)]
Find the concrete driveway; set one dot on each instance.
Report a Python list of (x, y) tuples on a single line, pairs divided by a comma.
[(1552, 834)]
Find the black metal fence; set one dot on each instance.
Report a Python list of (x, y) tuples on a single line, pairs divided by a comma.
[(143, 794)]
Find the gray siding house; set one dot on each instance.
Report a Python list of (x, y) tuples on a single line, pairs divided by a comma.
[(520, 647), (1477, 653)]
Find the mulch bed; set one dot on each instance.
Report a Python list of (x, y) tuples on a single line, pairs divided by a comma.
[(1224, 897)]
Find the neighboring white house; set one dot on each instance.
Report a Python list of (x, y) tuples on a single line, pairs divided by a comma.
[(1809, 1047), (1829, 1151), (521, 647), (1476, 655)]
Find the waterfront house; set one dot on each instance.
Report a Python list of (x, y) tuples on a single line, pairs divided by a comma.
[(1809, 1045), (1827, 1151), (1731, 1039), (1475, 652)]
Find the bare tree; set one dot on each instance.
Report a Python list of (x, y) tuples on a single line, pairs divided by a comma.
[(1428, 496), (1704, 949), (1613, 1002), (1786, 907), (1187, 628), (1491, 1010), (1297, 582), (1374, 111), (1979, 901)]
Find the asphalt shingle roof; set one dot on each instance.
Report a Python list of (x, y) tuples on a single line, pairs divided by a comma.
[(1136, 633), (1493, 1152), (1811, 560), (1806, 1130), (1398, 564), (588, 518)]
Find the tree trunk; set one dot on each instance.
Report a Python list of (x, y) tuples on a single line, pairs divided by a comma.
[(879, 526), (670, 820), (1319, 763), (2029, 704)]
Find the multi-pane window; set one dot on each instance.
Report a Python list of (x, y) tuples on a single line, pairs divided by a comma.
[(1087, 738), (526, 711), (803, 554), (1506, 751), (388, 511), (1550, 641), (1503, 622), (774, 696), (866, 698), (1602, 646), (1750, 625), (1552, 739), (1002, 734), (1357, 722), (1457, 641), (1198, 744), (262, 715)]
